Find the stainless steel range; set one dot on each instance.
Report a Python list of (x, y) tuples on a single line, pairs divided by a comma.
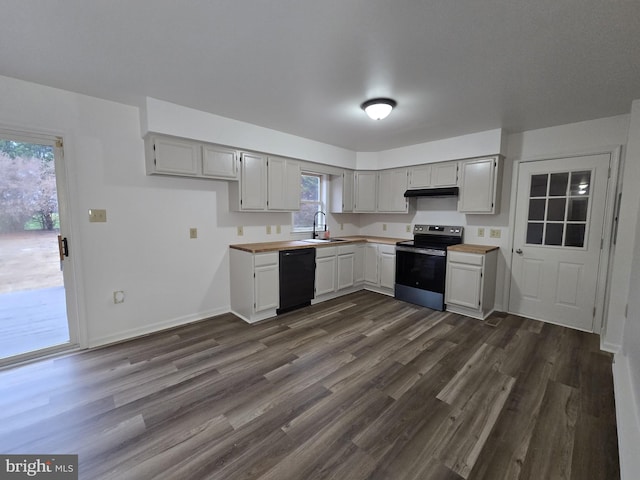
[(421, 264)]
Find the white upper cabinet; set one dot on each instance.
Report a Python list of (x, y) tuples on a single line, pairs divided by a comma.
[(366, 192), (253, 182), (479, 185), (342, 192), (391, 187), (444, 174), (433, 175), (172, 156), (283, 190), (219, 162)]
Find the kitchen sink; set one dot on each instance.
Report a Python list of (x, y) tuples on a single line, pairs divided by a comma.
[(323, 240)]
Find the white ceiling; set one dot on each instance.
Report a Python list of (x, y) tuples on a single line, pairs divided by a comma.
[(305, 66)]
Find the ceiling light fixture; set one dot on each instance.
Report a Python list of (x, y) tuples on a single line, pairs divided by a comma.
[(378, 108)]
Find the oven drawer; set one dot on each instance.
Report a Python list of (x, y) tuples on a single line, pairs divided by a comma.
[(466, 258)]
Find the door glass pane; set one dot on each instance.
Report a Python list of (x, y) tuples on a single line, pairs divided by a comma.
[(575, 235), (577, 209), (554, 234), (556, 209), (558, 184), (580, 183), (539, 185), (536, 209), (534, 233)]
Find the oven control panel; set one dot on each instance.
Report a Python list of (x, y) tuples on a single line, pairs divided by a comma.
[(437, 230)]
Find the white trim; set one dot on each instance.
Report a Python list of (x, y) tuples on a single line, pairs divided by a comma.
[(156, 327), (627, 419), (602, 286)]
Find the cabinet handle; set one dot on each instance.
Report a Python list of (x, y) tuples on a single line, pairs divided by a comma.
[(519, 251)]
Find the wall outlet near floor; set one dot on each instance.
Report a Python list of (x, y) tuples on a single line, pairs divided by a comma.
[(495, 232), (240, 231), (408, 228), (481, 232), (118, 296), (268, 229), (193, 232), (384, 227), (97, 215)]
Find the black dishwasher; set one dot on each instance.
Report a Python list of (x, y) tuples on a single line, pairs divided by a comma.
[(297, 278)]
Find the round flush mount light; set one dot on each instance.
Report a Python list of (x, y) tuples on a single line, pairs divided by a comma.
[(378, 108)]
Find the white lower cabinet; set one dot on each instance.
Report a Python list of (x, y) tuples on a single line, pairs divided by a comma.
[(380, 268), (336, 271), (255, 278), (471, 283), (358, 268), (325, 270)]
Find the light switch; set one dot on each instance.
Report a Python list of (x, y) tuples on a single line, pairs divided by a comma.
[(495, 232), (240, 231), (193, 233), (97, 215)]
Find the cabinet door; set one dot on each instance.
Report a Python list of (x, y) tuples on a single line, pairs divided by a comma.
[(292, 185), (420, 176), (365, 193), (371, 264), (387, 269), (477, 184), (219, 162), (253, 182), (346, 267), (444, 174), (176, 157), (347, 191), (283, 189), (464, 284), (392, 185), (325, 275), (358, 274), (266, 287)]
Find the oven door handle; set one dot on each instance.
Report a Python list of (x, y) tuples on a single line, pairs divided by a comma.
[(422, 251)]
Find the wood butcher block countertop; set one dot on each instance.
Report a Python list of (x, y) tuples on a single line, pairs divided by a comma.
[(471, 248), (295, 244)]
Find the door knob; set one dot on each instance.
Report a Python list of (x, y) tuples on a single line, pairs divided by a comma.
[(519, 251)]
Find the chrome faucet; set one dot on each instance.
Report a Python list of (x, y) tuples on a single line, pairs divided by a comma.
[(315, 234)]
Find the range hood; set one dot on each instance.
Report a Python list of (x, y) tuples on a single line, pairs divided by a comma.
[(432, 192)]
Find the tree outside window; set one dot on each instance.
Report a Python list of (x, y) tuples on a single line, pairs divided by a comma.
[(311, 202)]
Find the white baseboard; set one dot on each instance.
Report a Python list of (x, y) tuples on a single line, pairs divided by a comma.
[(608, 346), (627, 420), (154, 327)]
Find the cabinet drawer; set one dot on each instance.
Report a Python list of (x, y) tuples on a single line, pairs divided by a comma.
[(322, 252), (468, 258), (388, 249), (345, 249), (265, 259)]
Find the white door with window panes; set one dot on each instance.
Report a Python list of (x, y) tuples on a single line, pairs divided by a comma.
[(312, 194), (560, 207)]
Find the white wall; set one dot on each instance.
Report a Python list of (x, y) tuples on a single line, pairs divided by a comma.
[(163, 117), (465, 146), (627, 367)]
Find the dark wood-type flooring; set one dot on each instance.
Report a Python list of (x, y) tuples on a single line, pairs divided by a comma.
[(361, 387)]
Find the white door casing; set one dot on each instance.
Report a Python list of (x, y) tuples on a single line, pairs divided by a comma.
[(558, 239)]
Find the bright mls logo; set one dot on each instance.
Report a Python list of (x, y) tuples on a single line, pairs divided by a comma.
[(50, 467)]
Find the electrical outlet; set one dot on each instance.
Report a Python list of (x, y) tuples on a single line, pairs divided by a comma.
[(408, 228), (240, 231), (278, 229), (495, 233), (268, 229), (481, 232), (384, 227), (97, 215), (118, 296), (342, 226), (193, 233)]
